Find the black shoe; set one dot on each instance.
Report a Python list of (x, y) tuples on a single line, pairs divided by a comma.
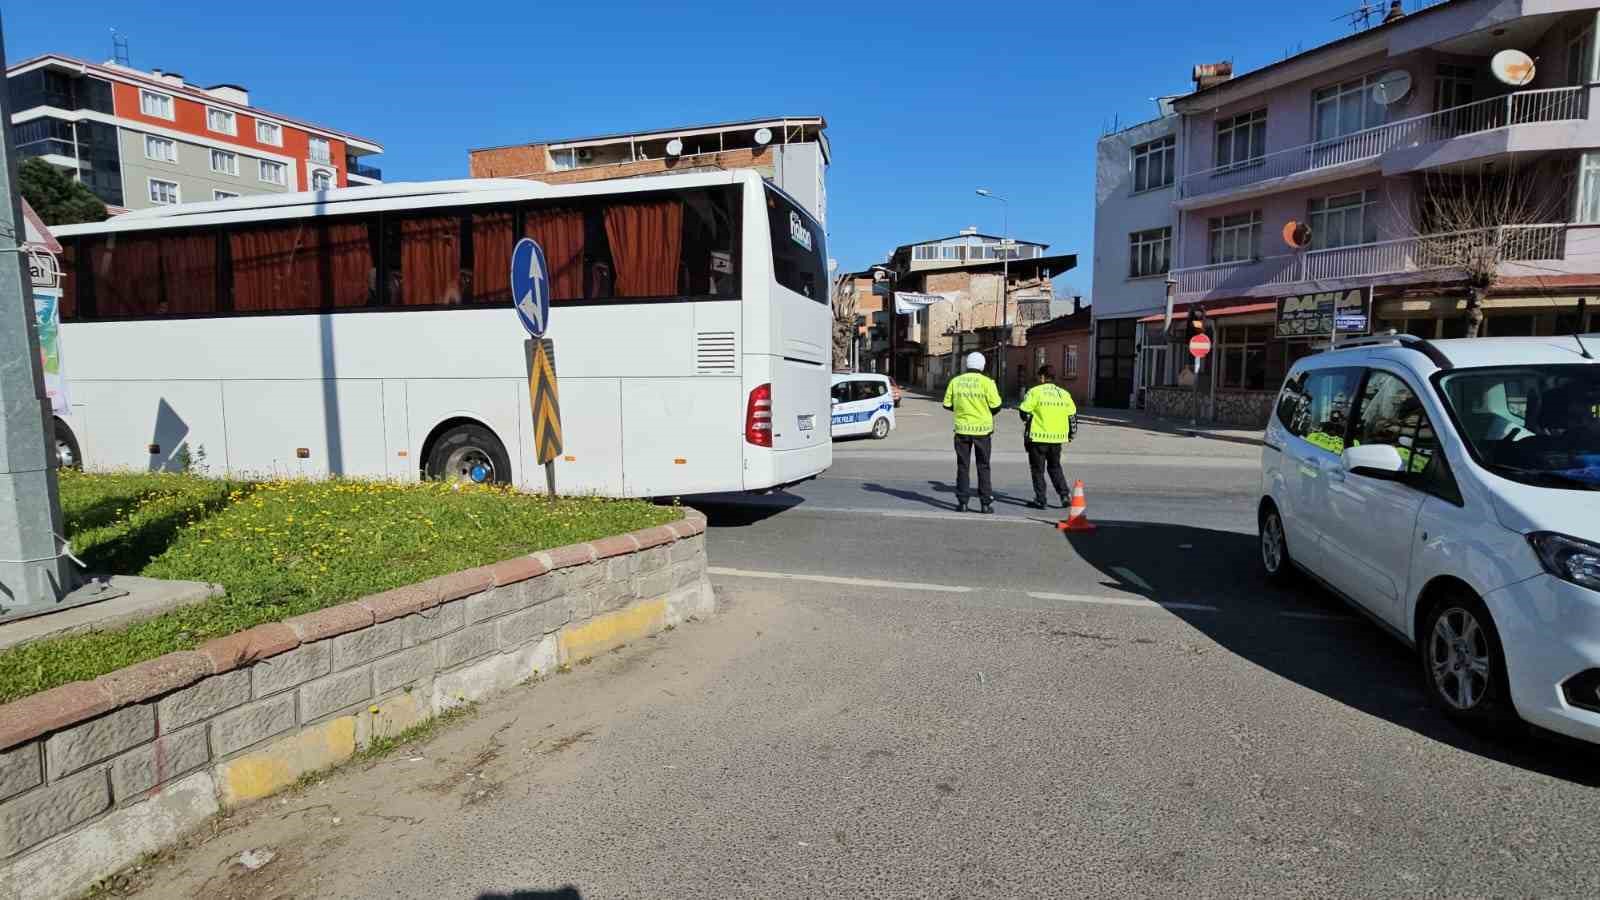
[(988, 509), (1066, 502), (961, 506), (1036, 504)]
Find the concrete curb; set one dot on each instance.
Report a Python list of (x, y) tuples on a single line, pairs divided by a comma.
[(157, 747)]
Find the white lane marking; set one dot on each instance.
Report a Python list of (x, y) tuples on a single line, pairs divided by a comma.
[(1322, 617), (835, 579), (951, 516), (1118, 601), (1132, 576), (1101, 600)]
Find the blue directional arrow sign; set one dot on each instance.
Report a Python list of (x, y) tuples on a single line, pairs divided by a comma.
[(530, 286)]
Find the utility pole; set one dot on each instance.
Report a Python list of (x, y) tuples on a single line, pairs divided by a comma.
[(1005, 288), (34, 576), (891, 279)]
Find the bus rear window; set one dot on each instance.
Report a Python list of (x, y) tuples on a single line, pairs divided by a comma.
[(798, 248)]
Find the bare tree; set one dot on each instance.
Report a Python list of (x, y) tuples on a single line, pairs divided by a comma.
[(844, 320), (1476, 220)]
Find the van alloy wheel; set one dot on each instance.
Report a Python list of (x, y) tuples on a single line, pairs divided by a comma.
[(1458, 657), (1273, 551)]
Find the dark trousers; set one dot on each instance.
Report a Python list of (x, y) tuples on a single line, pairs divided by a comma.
[(1043, 458), (966, 448)]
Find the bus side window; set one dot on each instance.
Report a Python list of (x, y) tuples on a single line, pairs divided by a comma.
[(305, 265), (645, 238), (165, 273), (425, 267), (710, 243), (560, 231)]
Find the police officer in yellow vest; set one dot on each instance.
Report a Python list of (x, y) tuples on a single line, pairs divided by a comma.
[(1051, 419), (974, 399)]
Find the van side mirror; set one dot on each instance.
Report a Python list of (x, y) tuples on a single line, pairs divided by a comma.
[(1375, 461)]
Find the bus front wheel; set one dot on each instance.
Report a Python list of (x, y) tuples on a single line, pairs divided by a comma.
[(469, 453)]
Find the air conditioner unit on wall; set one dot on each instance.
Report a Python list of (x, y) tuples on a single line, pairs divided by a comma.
[(584, 154)]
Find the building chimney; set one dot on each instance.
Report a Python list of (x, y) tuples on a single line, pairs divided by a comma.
[(1396, 10), (1211, 74)]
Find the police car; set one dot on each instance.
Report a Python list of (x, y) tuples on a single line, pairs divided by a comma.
[(863, 403)]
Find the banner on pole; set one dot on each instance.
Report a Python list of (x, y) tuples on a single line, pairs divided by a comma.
[(907, 303)]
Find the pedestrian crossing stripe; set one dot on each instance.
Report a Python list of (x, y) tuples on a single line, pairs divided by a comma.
[(545, 403)]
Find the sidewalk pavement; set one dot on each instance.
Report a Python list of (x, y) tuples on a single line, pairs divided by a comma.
[(1140, 419), (1104, 429)]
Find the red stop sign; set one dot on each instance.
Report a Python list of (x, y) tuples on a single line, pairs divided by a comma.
[(1199, 346)]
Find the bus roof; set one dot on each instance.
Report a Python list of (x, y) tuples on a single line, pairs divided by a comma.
[(385, 197)]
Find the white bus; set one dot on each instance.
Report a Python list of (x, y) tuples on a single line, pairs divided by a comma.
[(369, 332)]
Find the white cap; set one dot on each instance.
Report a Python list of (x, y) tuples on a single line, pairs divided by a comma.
[(975, 361)]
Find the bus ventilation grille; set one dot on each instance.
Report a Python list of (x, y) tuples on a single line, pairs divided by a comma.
[(715, 353)]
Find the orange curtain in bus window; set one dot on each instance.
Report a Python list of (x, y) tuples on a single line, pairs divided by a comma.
[(127, 275), (491, 258), (274, 269), (350, 272), (560, 233), (189, 273), (430, 261), (646, 247)]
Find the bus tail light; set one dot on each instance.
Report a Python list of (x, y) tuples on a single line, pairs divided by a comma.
[(758, 417)]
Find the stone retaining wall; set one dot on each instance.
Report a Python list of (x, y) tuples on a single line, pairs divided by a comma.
[(95, 773), (1244, 409)]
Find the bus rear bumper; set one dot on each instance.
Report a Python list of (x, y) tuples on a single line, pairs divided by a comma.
[(767, 470)]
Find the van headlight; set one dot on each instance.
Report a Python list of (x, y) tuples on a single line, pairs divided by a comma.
[(1568, 558)]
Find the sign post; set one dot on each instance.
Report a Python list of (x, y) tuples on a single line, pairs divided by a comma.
[(530, 292), (1199, 347)]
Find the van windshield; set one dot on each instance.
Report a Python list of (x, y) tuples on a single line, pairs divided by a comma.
[(1539, 425)]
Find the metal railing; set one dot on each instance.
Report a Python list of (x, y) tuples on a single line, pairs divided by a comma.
[(1518, 108), (1421, 253)]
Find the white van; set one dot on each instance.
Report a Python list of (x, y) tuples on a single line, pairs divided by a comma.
[(1450, 490), (862, 404)]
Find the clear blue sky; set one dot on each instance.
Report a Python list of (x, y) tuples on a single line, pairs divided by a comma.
[(925, 102)]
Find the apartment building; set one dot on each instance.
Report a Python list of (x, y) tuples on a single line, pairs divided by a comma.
[(996, 290), (792, 152), (1397, 178), (139, 139), (1134, 222)]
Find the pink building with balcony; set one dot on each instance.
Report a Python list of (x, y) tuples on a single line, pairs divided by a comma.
[(1413, 166)]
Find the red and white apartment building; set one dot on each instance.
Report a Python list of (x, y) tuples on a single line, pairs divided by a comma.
[(140, 139)]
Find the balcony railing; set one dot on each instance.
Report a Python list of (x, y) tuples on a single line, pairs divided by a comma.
[(1422, 253), (364, 171), (1519, 108)]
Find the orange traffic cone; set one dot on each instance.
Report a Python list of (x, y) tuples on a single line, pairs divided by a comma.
[(1078, 513)]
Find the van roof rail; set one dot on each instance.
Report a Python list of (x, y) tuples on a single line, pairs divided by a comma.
[(1405, 341)]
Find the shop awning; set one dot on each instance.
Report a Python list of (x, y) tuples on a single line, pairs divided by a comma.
[(1181, 311)]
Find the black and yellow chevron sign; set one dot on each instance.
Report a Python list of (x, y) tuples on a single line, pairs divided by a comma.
[(546, 405)]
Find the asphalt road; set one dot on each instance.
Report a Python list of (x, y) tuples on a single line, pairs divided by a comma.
[(899, 701)]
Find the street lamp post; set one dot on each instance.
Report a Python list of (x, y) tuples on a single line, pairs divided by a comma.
[(891, 277), (1005, 287)]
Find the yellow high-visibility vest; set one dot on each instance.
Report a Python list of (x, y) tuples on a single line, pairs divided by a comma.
[(972, 396), (1051, 409)]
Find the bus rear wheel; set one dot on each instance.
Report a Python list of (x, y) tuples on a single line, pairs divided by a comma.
[(469, 453), (68, 456)]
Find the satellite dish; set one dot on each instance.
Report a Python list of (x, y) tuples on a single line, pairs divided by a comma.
[(763, 136), (1297, 234), (1391, 87), (1512, 67), (675, 147)]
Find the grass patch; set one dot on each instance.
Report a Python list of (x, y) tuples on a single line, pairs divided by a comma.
[(283, 548)]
